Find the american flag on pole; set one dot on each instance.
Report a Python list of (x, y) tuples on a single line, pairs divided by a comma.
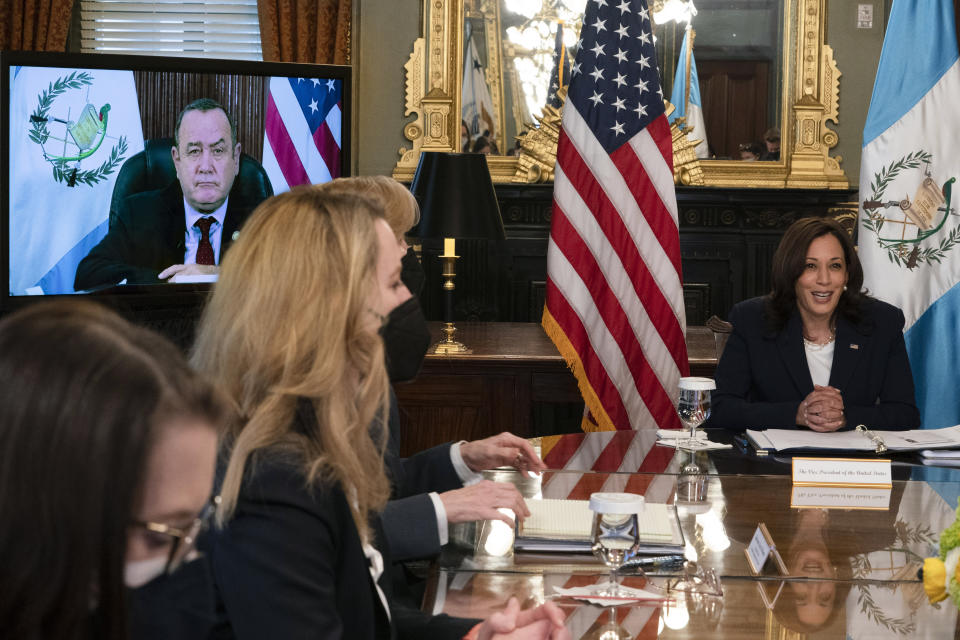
[(614, 304), (301, 138)]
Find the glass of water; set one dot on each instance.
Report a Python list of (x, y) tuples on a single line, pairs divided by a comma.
[(693, 406), (615, 535)]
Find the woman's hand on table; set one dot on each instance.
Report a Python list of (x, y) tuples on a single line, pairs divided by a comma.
[(483, 501), (501, 450), (822, 410)]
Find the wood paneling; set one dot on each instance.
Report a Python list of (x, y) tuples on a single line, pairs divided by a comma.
[(515, 380), (727, 239), (163, 95)]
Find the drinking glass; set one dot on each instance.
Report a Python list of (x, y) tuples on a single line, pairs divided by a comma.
[(693, 406), (616, 533)]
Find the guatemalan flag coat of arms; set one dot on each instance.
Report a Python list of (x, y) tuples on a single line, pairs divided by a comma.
[(909, 225)]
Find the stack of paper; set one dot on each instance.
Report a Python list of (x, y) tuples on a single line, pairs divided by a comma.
[(941, 457), (916, 440)]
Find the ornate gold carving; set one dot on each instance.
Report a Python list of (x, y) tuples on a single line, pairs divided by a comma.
[(686, 165), (413, 131), (538, 147), (811, 99), (438, 131), (537, 156), (818, 99), (436, 111)]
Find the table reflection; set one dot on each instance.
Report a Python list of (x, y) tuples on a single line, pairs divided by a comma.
[(841, 543), (862, 610), (638, 451)]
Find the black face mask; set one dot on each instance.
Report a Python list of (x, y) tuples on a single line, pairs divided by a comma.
[(406, 340), (179, 605)]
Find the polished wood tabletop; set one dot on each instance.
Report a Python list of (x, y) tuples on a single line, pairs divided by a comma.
[(850, 565), (632, 451), (527, 342), (855, 610), (513, 380)]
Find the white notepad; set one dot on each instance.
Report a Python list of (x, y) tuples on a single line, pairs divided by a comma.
[(572, 520)]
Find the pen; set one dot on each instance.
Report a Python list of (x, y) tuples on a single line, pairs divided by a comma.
[(654, 561)]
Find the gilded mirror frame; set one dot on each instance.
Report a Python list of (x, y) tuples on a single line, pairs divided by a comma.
[(811, 99)]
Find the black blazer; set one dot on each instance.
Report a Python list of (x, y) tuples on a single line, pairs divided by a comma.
[(290, 564), (762, 377), (409, 519), (148, 237)]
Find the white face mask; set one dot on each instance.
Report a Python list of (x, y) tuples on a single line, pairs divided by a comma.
[(136, 574)]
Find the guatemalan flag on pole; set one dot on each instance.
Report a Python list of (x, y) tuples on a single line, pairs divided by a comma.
[(688, 94), (614, 303), (301, 138), (909, 233)]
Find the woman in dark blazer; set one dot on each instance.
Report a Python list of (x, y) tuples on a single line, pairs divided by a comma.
[(817, 352), (291, 333)]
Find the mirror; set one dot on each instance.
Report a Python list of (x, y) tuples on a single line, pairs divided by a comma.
[(762, 68)]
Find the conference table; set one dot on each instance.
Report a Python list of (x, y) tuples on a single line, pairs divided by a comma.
[(851, 555)]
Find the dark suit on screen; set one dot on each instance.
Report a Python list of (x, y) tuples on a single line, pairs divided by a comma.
[(762, 376), (290, 564), (148, 236)]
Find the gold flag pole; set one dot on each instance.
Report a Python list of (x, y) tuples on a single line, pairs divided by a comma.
[(563, 53), (691, 34)]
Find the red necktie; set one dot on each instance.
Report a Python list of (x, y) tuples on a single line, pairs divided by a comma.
[(205, 249)]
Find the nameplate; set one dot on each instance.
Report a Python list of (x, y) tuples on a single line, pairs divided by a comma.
[(876, 499), (842, 472), (761, 548)]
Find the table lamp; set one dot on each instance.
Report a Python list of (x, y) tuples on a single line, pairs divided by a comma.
[(456, 200)]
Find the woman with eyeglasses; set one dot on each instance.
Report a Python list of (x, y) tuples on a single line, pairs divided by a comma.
[(107, 454), (291, 333)]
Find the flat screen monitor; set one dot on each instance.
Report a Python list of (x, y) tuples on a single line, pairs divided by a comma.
[(98, 196)]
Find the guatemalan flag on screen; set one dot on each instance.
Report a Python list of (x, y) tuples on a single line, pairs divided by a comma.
[(70, 132), (301, 138), (909, 225)]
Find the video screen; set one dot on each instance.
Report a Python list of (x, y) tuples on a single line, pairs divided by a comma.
[(141, 174)]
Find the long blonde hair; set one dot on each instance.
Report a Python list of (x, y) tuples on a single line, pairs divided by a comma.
[(287, 323), (400, 208)]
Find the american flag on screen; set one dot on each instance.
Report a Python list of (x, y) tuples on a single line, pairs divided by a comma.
[(614, 302), (301, 138)]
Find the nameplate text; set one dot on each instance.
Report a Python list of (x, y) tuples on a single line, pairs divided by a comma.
[(842, 472)]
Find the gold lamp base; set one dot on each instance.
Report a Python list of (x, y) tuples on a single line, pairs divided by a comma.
[(449, 346)]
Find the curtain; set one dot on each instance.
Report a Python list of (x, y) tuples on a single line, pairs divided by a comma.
[(34, 25), (315, 31)]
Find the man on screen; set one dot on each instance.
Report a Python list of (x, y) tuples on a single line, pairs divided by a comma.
[(183, 229)]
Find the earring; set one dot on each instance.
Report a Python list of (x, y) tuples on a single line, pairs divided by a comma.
[(844, 287)]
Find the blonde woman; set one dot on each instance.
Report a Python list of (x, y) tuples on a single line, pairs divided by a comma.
[(441, 485), (401, 211), (291, 332)]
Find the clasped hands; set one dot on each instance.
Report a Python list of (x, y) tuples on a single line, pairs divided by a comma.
[(545, 622), (483, 500), (822, 409)]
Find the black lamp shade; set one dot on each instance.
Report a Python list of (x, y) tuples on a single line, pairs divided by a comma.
[(456, 197)]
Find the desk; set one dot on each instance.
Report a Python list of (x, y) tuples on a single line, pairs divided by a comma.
[(514, 367), (860, 564), (897, 611)]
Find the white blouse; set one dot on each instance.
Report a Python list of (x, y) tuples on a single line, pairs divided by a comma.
[(820, 361)]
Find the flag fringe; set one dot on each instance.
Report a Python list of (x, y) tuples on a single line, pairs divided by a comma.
[(572, 358)]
